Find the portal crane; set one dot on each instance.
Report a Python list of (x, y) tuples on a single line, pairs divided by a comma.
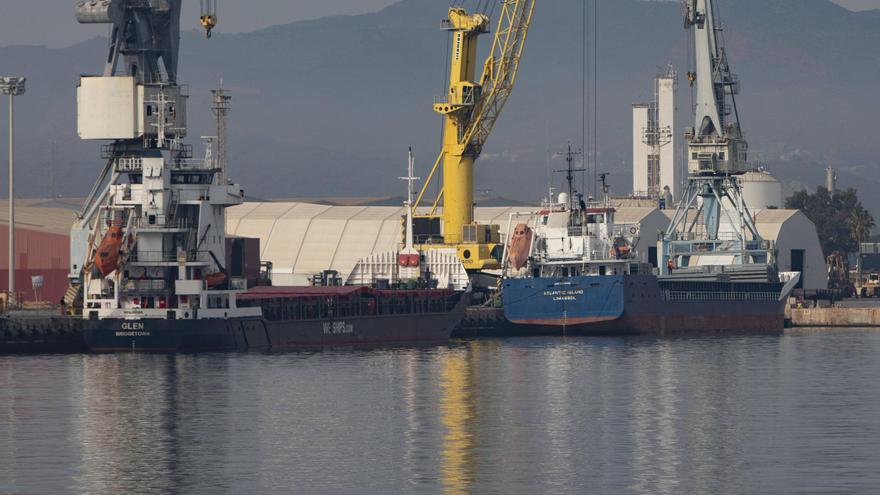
[(470, 110), (712, 225)]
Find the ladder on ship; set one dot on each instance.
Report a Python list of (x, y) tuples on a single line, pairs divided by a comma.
[(172, 206)]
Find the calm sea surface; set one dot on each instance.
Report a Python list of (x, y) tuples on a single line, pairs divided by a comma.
[(795, 413)]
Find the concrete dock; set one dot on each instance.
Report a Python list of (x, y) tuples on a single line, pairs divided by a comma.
[(844, 314)]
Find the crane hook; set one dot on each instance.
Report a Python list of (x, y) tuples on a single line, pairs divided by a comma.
[(208, 22), (208, 18)]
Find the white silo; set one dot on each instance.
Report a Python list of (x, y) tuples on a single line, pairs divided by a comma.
[(761, 190)]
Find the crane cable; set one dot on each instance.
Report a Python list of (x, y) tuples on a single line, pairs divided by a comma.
[(584, 95), (596, 98)]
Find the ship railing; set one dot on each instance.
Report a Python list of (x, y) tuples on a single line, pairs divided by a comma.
[(192, 164), (165, 257), (578, 232), (688, 245), (700, 235), (145, 286), (572, 256), (708, 296), (156, 222)]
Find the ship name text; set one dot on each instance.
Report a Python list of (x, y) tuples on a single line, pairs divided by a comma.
[(564, 295), (338, 328)]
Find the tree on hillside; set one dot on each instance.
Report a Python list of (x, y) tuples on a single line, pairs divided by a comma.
[(832, 215)]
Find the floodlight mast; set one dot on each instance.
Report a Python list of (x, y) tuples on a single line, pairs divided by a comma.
[(12, 86)]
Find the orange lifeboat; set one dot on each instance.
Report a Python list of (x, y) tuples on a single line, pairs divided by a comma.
[(215, 280), (519, 246), (621, 249), (107, 257)]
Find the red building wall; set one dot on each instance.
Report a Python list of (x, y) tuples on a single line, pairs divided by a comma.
[(36, 253)]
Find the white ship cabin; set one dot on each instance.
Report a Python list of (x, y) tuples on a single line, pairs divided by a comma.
[(575, 240)]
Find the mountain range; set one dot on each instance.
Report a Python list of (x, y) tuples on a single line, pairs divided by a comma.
[(329, 107)]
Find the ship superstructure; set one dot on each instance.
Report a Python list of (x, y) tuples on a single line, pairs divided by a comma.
[(570, 237), (150, 241)]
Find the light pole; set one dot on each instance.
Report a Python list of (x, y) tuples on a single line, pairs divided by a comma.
[(12, 86)]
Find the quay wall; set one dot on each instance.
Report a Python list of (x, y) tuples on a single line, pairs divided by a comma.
[(835, 317)]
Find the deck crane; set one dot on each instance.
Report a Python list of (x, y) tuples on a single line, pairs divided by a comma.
[(712, 224), (470, 110)]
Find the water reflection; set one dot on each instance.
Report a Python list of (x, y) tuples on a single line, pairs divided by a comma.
[(457, 410), (783, 414)]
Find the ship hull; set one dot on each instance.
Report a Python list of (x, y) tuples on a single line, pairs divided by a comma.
[(638, 305), (260, 334)]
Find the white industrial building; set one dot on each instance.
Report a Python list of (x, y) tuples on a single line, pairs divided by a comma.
[(797, 245), (303, 239), (654, 167)]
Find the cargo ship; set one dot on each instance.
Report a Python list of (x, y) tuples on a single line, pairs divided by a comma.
[(572, 271), (156, 283), (293, 318)]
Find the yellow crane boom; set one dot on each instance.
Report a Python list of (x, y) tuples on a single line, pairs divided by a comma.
[(471, 109)]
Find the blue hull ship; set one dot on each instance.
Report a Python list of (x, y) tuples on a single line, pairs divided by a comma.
[(571, 270), (564, 302), (642, 305)]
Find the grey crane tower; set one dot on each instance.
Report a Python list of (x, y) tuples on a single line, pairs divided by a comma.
[(712, 224)]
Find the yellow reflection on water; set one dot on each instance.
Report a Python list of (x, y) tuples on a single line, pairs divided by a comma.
[(457, 409)]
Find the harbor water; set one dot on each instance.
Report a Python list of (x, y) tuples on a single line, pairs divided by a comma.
[(792, 413)]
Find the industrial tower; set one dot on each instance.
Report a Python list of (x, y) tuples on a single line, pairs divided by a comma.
[(470, 110), (712, 224), (654, 164)]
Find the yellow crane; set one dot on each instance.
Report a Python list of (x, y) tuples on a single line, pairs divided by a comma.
[(470, 110), (208, 18)]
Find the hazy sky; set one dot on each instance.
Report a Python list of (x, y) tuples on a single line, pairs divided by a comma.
[(51, 22)]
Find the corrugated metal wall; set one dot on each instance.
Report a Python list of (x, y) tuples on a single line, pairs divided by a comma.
[(36, 253)]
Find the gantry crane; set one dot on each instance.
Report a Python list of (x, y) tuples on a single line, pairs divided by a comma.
[(470, 110)]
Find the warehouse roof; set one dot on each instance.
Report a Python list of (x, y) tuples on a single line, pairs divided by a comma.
[(302, 239), (55, 217)]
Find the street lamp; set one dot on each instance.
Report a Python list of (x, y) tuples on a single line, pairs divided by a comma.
[(12, 86)]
